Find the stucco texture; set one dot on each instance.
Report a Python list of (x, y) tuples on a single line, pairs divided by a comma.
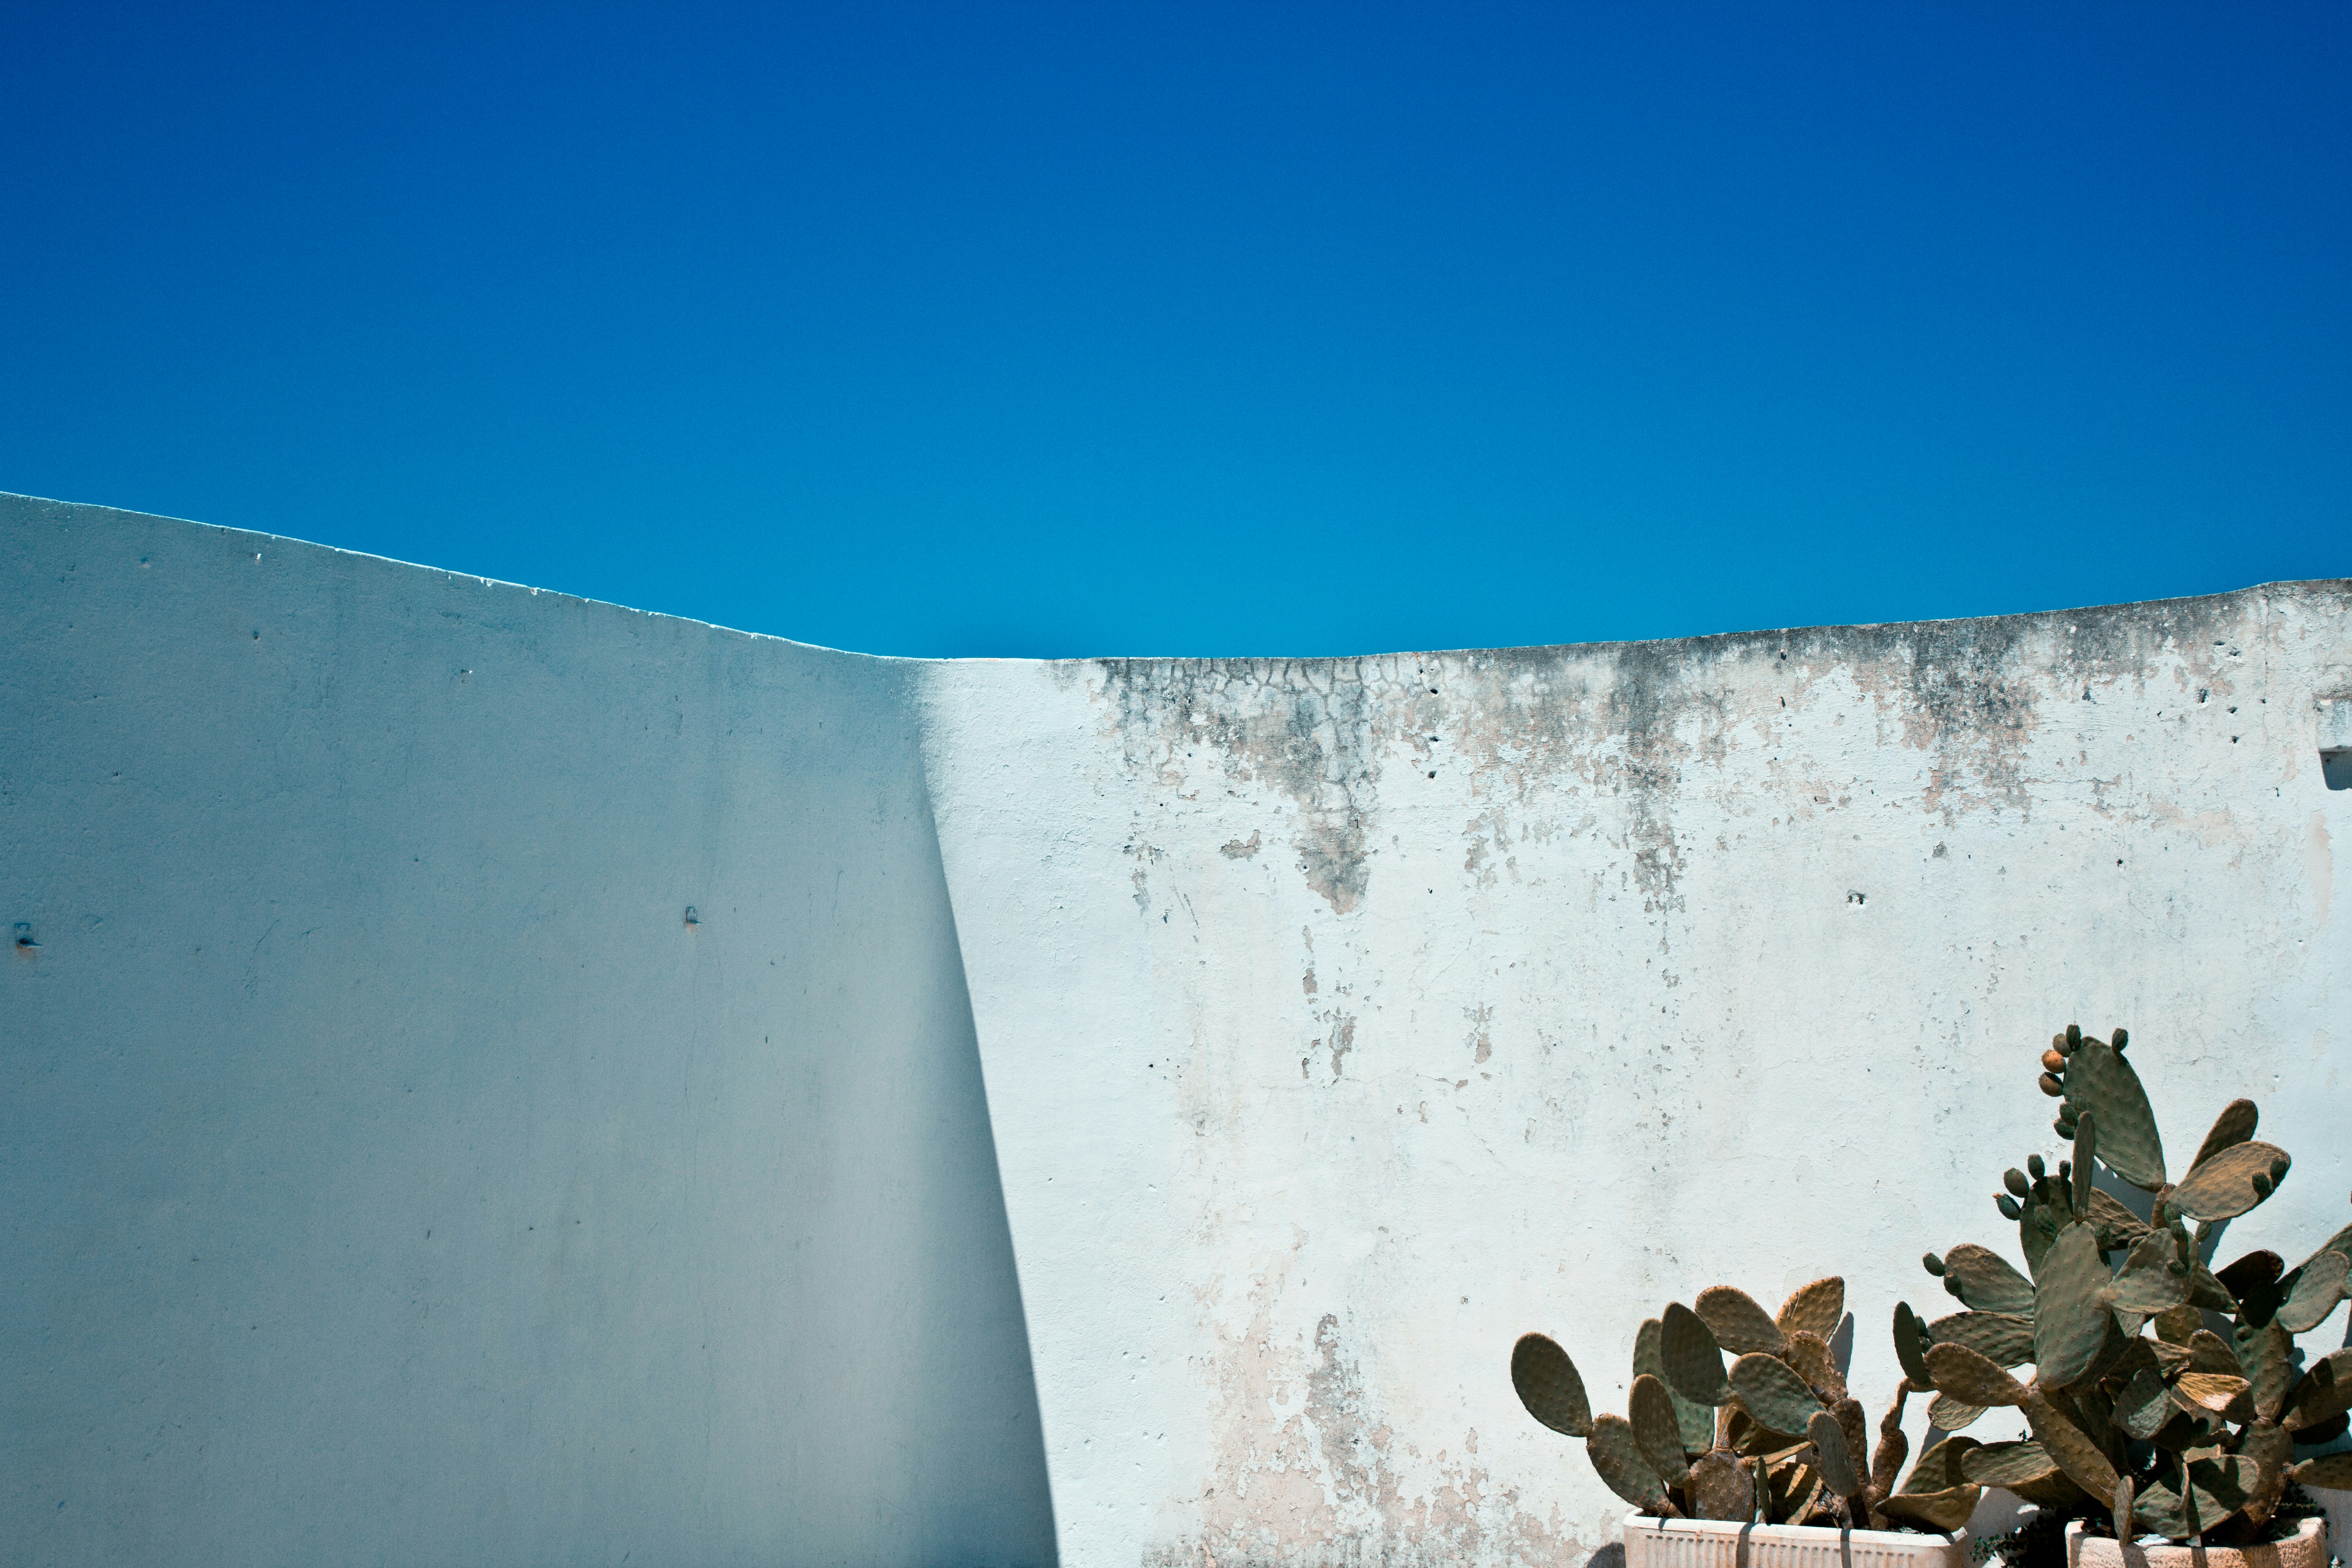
[(1339, 1021)]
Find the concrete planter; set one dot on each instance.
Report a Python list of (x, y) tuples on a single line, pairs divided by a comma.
[(2306, 1548), (1718, 1543)]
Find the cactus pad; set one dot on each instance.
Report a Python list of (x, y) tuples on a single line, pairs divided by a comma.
[(2084, 1461), (1816, 1308), (1719, 1488), (1942, 1467), (2206, 1291), (2319, 1285), (1938, 1493), (2273, 1451), (2214, 1393), (1911, 1345), (2208, 1351), (1617, 1457), (1692, 1359), (2070, 1319), (2103, 1085), (2003, 1338), (2144, 1406), (1946, 1414), (1697, 1419), (1965, 1374), (2008, 1464), (2233, 1126), (1550, 1387), (2223, 1186), (1839, 1471), (1809, 1359), (2330, 1472), (1738, 1325), (1986, 1280), (2118, 1226), (1772, 1393), (2147, 1283), (2254, 1280), (1795, 1484), (1945, 1511), (1650, 1410), (2340, 1242), (1855, 1425), (1894, 1447), (2218, 1488), (2266, 1355), (2323, 1392)]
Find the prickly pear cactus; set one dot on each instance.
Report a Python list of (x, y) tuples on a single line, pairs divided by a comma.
[(1739, 1413), (2143, 1416)]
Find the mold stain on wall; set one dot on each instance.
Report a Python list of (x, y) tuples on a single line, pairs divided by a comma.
[(1584, 777)]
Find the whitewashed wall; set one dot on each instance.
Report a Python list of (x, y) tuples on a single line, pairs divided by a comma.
[(1340, 1020), (1345, 1019), (388, 1173)]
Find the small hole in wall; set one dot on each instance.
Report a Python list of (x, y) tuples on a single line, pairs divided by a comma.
[(2335, 767)]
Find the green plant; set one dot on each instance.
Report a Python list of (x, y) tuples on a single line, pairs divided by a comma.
[(2166, 1396), (1773, 1436)]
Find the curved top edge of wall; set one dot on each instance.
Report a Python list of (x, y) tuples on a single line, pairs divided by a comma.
[(1808, 637)]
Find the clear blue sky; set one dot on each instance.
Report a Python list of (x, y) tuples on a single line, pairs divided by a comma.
[(1119, 329)]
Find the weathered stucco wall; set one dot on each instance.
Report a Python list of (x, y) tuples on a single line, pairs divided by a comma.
[(1340, 1021), (1345, 1019)]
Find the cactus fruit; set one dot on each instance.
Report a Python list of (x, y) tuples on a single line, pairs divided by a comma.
[(1775, 1437), (2112, 1316)]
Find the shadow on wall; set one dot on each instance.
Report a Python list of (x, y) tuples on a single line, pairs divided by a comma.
[(1004, 1444), (395, 1170)]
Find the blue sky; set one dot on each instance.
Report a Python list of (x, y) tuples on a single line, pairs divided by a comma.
[(968, 330)]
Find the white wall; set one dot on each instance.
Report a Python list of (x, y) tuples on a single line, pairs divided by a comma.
[(1341, 1020), (388, 1173), (1345, 1019)]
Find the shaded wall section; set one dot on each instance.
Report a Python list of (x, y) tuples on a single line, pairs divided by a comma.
[(391, 1169)]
